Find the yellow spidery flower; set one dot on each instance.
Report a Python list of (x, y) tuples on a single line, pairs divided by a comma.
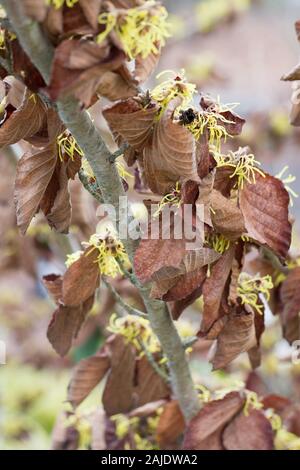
[(67, 146), (141, 443), (86, 167), (110, 252), (122, 172), (73, 257), (279, 276), (142, 30), (2, 39), (211, 121), (173, 87), (218, 242), (287, 180), (123, 424), (285, 440), (60, 3), (250, 287), (204, 393), (244, 166), (252, 402), (171, 199), (136, 331)]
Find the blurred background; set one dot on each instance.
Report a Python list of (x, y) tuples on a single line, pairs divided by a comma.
[(235, 49)]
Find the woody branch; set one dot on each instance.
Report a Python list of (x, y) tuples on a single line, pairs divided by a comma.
[(99, 157)]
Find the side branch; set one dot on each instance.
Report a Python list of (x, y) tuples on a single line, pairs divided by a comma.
[(99, 157)]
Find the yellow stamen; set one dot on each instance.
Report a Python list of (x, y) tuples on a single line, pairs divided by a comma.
[(171, 199), (60, 3), (244, 166), (136, 331), (142, 30), (287, 180), (111, 252), (218, 242), (249, 289), (173, 87), (67, 146)]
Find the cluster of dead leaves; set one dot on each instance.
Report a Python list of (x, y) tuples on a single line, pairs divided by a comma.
[(81, 66), (74, 294), (42, 172), (255, 213), (132, 388)]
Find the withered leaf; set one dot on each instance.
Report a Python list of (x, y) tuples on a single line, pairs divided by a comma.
[(78, 67), (226, 217), (118, 393), (213, 289), (173, 147), (236, 337), (114, 87), (293, 75), (176, 308), (65, 325), (53, 283), (81, 279), (35, 9), (150, 386), (24, 122), (86, 376), (59, 216), (170, 426), (152, 255), (234, 124), (34, 172), (290, 298), (131, 121), (264, 205), (91, 10), (145, 67), (253, 432), (212, 418)]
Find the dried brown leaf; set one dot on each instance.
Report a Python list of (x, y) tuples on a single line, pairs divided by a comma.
[(86, 376), (81, 279), (212, 418), (236, 337), (34, 173), (65, 325), (23, 122), (253, 432), (118, 393), (264, 205)]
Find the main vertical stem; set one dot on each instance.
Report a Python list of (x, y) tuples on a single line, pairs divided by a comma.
[(96, 152)]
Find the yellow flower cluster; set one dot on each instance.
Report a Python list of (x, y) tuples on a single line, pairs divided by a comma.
[(171, 88), (249, 289), (126, 425), (171, 199), (218, 242), (111, 252), (136, 331), (244, 165), (67, 146), (60, 3), (141, 30)]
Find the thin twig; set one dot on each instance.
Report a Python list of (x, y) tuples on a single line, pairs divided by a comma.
[(129, 309), (112, 158)]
